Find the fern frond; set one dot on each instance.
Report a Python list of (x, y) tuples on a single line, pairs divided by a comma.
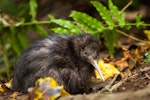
[(138, 22), (115, 38), (23, 39), (109, 38), (33, 7), (39, 29), (90, 24), (67, 25), (60, 30), (104, 12), (121, 20)]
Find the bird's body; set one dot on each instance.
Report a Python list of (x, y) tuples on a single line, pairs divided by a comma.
[(62, 57)]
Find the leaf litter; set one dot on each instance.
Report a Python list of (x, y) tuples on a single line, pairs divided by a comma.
[(130, 72)]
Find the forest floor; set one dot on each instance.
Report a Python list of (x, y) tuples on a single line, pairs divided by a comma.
[(132, 84), (135, 87)]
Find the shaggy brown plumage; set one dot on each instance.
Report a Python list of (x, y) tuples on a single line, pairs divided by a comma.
[(70, 60)]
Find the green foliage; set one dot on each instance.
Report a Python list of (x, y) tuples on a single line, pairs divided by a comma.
[(68, 26), (93, 26), (111, 38), (40, 30), (33, 7), (147, 55), (13, 38), (104, 12), (117, 14), (90, 24), (139, 23), (113, 20)]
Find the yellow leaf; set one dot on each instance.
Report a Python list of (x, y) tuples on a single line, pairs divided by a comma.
[(64, 93), (108, 70), (8, 84), (47, 88), (1, 89), (147, 33)]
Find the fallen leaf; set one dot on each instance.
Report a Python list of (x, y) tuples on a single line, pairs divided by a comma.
[(8, 85), (137, 54), (14, 95), (123, 62), (47, 89), (147, 33), (107, 69), (1, 88)]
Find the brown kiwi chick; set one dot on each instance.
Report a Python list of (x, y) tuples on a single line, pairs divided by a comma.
[(69, 59)]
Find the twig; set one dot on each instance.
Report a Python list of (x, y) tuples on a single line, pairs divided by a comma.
[(145, 69), (134, 38), (115, 86), (126, 6), (107, 87), (147, 75)]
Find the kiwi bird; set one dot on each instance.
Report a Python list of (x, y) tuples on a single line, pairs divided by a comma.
[(69, 59)]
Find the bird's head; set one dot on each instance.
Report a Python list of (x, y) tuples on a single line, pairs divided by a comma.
[(87, 48)]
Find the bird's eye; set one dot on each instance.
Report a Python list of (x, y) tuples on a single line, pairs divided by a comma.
[(85, 53)]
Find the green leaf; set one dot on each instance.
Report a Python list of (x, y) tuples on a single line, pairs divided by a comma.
[(60, 30), (33, 7), (51, 17), (147, 55), (109, 38), (67, 24), (115, 38), (139, 23), (24, 41), (104, 12), (39, 29), (15, 42), (87, 22), (127, 26), (117, 13)]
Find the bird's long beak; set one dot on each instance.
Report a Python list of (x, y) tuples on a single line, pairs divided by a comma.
[(94, 63)]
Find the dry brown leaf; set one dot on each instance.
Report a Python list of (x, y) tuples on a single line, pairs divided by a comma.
[(123, 62)]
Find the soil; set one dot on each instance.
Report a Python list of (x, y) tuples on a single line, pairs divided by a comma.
[(136, 87), (139, 81)]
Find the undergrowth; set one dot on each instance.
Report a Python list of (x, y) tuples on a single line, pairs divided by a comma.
[(13, 38)]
